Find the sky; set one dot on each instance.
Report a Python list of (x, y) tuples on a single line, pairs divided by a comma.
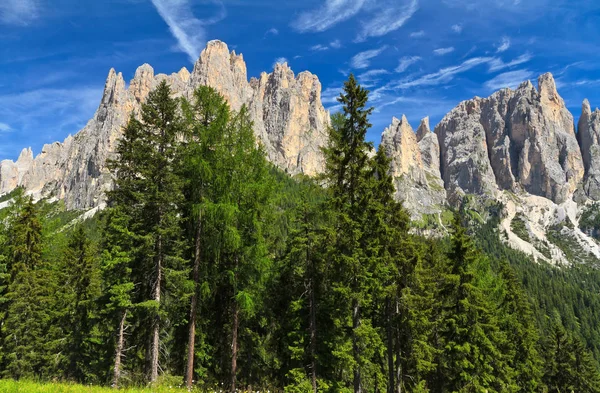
[(417, 57)]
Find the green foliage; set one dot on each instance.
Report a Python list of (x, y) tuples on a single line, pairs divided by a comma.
[(279, 283), (519, 228)]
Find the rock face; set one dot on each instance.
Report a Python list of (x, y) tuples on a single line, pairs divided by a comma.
[(522, 140), (414, 166), (588, 135), (289, 119)]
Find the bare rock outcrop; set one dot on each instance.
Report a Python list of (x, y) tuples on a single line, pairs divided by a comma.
[(513, 140), (588, 135), (289, 119), (413, 167)]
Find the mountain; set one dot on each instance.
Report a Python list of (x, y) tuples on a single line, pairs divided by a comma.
[(517, 150), (288, 116)]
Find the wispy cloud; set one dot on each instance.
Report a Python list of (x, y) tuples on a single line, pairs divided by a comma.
[(328, 15), (388, 17), (498, 64), (39, 109), (330, 95), (19, 12), (406, 62), (457, 28), (379, 18), (443, 51), (5, 127), (279, 60), (417, 34), (367, 78), (442, 76), (319, 48), (362, 59), (272, 31), (504, 45), (335, 44), (189, 31), (510, 79)]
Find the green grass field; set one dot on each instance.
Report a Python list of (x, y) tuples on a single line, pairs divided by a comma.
[(9, 386)]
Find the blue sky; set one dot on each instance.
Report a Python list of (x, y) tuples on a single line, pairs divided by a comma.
[(418, 57)]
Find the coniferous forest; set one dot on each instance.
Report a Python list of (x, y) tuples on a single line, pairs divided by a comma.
[(211, 269)]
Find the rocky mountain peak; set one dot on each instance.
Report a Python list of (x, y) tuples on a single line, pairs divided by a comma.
[(423, 129), (414, 166), (588, 136), (547, 89), (289, 119)]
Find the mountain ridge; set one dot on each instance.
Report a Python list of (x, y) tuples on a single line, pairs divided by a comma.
[(517, 147)]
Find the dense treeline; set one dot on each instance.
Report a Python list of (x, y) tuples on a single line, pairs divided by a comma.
[(216, 270)]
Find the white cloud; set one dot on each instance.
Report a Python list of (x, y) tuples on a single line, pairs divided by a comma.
[(330, 95), (457, 28), (498, 64), (371, 76), (327, 16), (279, 60), (69, 108), (335, 44), (381, 17), (362, 59), (510, 79), (319, 48), (406, 62), (504, 45), (389, 17), (18, 12), (5, 127), (442, 76), (189, 31), (417, 34), (272, 31), (443, 51)]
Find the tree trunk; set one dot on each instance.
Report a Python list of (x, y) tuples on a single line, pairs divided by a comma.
[(234, 332), (390, 345), (156, 325), (355, 348), (234, 344), (119, 351), (192, 331), (399, 376), (313, 334)]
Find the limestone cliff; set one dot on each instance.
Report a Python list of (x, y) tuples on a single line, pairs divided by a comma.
[(414, 166), (513, 140), (288, 115), (588, 135)]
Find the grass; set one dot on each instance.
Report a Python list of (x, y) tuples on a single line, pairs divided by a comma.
[(10, 386)]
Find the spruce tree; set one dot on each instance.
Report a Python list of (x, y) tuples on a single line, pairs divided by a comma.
[(471, 358), (146, 200), (30, 298), (81, 286), (347, 174), (521, 345), (207, 122)]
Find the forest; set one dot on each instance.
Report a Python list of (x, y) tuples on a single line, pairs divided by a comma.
[(213, 270)]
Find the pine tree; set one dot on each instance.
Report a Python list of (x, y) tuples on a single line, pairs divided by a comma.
[(303, 278), (347, 173), (145, 203), (207, 120), (568, 364), (516, 319), (82, 288), (471, 359), (30, 297)]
